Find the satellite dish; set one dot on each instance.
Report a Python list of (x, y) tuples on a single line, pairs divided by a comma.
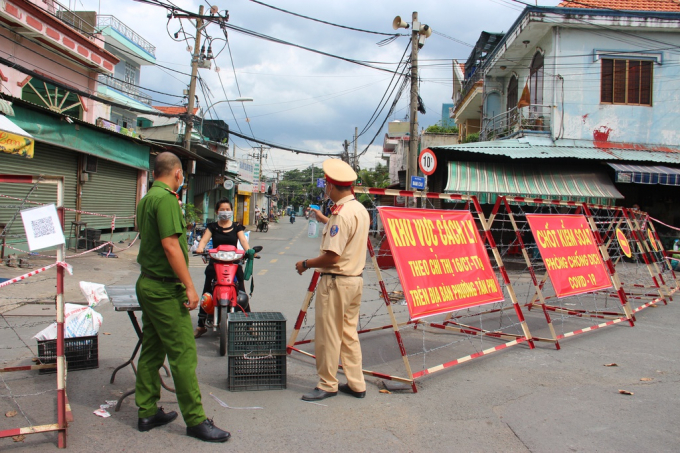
[(397, 23), (228, 184)]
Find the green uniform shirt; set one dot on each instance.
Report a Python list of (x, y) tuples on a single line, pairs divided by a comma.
[(158, 217)]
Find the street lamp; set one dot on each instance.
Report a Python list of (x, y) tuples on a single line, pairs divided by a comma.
[(219, 102)]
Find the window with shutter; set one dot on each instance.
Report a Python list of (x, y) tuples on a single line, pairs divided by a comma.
[(626, 82), (619, 81), (646, 83), (607, 83)]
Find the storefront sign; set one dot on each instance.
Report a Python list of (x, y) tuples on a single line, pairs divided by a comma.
[(245, 173), (442, 262), (113, 127), (570, 253)]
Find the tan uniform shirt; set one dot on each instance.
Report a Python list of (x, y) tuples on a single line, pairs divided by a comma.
[(346, 234)]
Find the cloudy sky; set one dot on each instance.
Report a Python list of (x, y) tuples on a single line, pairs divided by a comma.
[(301, 99)]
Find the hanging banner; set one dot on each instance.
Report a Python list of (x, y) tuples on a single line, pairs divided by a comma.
[(441, 260), (570, 254), (15, 140)]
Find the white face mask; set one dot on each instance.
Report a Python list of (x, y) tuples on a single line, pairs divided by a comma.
[(225, 215)]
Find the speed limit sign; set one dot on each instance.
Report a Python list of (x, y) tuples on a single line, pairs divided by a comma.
[(427, 161)]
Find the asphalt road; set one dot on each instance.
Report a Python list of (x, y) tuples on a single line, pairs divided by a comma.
[(540, 400)]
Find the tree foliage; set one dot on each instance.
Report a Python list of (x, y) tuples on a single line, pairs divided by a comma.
[(299, 187)]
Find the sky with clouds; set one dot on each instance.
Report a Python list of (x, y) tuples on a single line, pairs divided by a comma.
[(301, 99)]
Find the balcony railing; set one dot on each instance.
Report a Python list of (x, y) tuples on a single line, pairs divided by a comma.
[(76, 19), (470, 83), (125, 88), (517, 121), (115, 23)]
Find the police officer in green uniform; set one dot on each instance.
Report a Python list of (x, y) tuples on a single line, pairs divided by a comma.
[(166, 294)]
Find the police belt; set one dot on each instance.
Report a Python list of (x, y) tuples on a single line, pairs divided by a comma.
[(162, 279), (340, 275)]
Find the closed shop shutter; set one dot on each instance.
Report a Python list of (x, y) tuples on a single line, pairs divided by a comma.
[(47, 160), (112, 190)]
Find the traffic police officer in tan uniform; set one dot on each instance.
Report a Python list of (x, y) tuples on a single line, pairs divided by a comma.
[(166, 294), (338, 294)]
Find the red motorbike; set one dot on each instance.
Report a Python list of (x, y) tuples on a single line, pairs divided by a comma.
[(225, 295)]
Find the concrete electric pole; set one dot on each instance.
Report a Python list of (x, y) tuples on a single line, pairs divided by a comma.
[(345, 154), (192, 84), (419, 32), (356, 137), (412, 168)]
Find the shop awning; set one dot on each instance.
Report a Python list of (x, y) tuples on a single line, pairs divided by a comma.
[(647, 174), (81, 137), (15, 140), (488, 180)]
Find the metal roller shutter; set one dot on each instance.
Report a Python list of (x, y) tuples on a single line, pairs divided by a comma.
[(48, 160), (111, 191)]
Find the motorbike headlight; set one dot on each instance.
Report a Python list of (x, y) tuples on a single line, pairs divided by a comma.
[(226, 256)]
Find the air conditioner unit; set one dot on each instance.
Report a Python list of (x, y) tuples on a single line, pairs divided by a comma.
[(90, 164)]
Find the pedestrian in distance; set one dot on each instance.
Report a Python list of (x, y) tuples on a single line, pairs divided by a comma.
[(338, 295), (166, 294), (223, 232)]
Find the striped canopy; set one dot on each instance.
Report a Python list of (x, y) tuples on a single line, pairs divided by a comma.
[(488, 180), (647, 174)]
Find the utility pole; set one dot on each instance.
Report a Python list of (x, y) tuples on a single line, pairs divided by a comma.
[(356, 137), (412, 168), (189, 123), (345, 154)]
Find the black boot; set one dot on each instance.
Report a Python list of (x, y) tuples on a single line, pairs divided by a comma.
[(160, 419), (208, 432)]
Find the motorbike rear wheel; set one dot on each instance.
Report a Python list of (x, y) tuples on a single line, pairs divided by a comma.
[(223, 331)]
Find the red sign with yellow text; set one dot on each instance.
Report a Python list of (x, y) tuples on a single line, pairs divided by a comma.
[(441, 260), (570, 254)]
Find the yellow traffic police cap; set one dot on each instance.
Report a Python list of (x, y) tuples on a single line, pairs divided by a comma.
[(338, 172)]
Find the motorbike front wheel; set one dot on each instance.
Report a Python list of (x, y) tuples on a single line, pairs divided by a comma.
[(223, 331), (265, 228)]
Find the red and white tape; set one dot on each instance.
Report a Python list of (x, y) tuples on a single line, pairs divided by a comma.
[(63, 264), (664, 224), (72, 210)]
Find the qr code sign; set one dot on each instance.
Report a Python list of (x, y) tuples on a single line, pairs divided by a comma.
[(42, 227)]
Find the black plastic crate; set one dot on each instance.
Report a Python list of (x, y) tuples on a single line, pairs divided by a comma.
[(92, 234), (263, 332), (257, 371), (82, 353)]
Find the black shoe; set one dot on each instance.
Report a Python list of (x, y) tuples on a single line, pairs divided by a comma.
[(344, 388), (160, 419), (317, 394), (208, 432)]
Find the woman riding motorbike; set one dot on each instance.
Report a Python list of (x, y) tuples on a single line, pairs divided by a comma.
[(223, 232)]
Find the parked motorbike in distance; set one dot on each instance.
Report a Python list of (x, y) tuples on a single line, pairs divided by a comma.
[(225, 296)]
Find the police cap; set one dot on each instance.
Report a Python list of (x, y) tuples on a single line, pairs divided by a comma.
[(338, 172)]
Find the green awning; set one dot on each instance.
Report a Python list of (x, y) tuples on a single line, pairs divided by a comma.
[(86, 139), (488, 180)]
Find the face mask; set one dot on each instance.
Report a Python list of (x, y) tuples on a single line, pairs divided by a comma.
[(225, 215)]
